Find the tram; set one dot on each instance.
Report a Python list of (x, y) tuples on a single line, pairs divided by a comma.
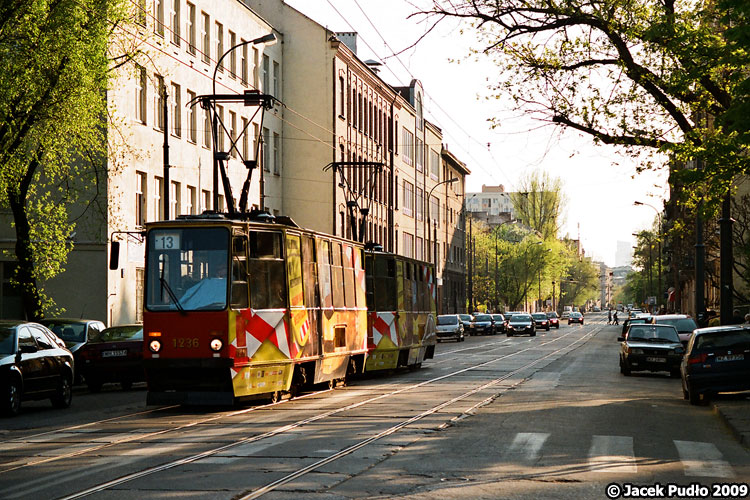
[(243, 308)]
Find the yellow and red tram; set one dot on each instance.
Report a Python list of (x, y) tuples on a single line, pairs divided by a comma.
[(240, 309)]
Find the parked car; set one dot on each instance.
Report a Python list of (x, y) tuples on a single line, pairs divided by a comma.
[(115, 356), (682, 322), (34, 364), (466, 320), (500, 323), (521, 324), (717, 360), (565, 315), (75, 333), (449, 326), (483, 324), (541, 320), (596, 309), (554, 320), (632, 321), (575, 317), (655, 348)]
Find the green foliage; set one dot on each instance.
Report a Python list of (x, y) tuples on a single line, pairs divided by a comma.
[(649, 76), (539, 203), (52, 125)]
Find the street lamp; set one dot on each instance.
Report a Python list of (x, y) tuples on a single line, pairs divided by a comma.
[(658, 215), (434, 235), (269, 39)]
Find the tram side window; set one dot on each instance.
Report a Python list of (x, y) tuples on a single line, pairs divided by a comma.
[(310, 271), (337, 272), (424, 288), (385, 276), (350, 296), (407, 285), (324, 273), (294, 270), (267, 276), (370, 282), (239, 273)]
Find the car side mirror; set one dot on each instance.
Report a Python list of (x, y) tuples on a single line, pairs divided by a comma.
[(621, 339), (27, 349)]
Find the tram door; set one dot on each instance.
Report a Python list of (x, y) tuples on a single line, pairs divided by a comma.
[(312, 297)]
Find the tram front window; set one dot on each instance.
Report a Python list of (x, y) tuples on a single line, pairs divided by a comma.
[(187, 269)]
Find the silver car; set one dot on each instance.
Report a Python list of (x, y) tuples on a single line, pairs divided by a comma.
[(450, 327)]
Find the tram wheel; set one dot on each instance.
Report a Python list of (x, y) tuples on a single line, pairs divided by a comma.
[(275, 396)]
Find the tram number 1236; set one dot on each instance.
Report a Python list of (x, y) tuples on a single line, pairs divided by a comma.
[(183, 343)]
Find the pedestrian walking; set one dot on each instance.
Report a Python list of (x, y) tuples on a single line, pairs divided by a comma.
[(609, 317), (615, 319)]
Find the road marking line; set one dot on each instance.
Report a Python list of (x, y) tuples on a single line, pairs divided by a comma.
[(526, 446), (702, 459), (612, 454)]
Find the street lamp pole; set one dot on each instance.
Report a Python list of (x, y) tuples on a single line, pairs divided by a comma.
[(434, 235)]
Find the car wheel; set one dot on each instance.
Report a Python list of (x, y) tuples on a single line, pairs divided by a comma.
[(533, 334), (64, 395), (695, 397), (11, 405), (625, 368), (508, 334), (685, 394), (547, 328), (462, 338), (126, 385), (94, 385), (557, 326)]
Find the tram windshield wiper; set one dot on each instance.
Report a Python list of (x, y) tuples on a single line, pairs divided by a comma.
[(171, 294)]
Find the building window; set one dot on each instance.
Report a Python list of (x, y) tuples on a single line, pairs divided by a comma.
[(342, 97), (245, 143), (408, 199), (192, 202), (276, 162), (266, 71), (266, 150), (408, 245), (159, 13), (176, 110), (232, 55), (420, 204), (434, 165), (418, 105), (220, 201), (408, 146), (419, 154), (434, 210), (254, 143), (420, 250), (206, 199), (158, 194), (175, 204), (140, 93), (141, 13), (220, 45), (159, 102), (255, 67), (206, 129), (176, 22), (395, 197), (243, 63), (206, 35), (220, 129), (140, 280), (233, 133), (276, 75), (140, 199), (191, 28), (192, 118)]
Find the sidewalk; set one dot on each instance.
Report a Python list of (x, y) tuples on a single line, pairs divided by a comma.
[(734, 410)]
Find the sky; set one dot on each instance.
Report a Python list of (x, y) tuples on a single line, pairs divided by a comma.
[(600, 184)]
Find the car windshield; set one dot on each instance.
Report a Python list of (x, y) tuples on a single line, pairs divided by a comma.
[(7, 343), (482, 317), (69, 332), (447, 320), (465, 317), (521, 317), (498, 317), (118, 333), (653, 333), (541, 316), (726, 339), (681, 324), (552, 315), (575, 315)]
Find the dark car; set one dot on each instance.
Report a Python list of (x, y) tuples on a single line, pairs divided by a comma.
[(115, 356), (717, 360), (633, 321), (575, 317), (541, 320), (654, 348), (34, 364), (483, 324), (500, 323), (554, 320), (521, 324), (466, 320), (682, 322), (449, 326), (75, 333)]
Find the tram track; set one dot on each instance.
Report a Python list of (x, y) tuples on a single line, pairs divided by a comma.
[(300, 423)]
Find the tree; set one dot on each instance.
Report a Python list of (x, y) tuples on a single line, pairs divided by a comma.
[(539, 203), (53, 112), (648, 76)]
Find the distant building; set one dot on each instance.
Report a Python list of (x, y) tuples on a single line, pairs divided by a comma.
[(623, 254)]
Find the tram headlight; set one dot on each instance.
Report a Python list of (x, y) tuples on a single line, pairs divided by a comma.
[(216, 345), (155, 345)]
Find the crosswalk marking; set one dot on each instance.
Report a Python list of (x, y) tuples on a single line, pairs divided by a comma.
[(612, 454), (702, 459), (526, 446)]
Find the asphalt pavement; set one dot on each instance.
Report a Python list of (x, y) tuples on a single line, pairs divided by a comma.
[(734, 410)]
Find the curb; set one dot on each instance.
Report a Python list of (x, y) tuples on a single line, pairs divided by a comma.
[(737, 419)]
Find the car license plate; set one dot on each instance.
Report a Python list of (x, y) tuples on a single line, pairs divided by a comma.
[(656, 360), (730, 357), (114, 354)]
